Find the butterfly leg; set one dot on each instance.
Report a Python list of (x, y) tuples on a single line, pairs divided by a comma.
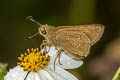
[(58, 54), (43, 45), (59, 59)]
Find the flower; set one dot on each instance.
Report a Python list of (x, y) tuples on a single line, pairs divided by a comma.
[(35, 65)]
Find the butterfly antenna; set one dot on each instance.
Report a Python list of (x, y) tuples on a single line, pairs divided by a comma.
[(31, 19), (30, 37)]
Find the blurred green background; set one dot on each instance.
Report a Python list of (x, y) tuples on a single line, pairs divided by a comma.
[(104, 58)]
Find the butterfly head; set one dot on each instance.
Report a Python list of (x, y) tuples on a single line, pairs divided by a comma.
[(43, 30)]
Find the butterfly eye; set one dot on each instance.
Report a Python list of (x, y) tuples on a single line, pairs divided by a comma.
[(43, 32)]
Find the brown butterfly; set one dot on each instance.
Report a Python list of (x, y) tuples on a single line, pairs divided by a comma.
[(74, 40)]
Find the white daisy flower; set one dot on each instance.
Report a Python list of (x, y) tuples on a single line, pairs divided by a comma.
[(33, 65)]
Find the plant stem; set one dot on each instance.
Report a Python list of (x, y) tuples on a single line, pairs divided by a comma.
[(117, 75)]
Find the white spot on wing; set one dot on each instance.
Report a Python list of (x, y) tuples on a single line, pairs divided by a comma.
[(68, 38)]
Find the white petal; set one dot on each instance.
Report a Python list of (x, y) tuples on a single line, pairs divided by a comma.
[(52, 51), (67, 61), (44, 75), (33, 76), (16, 73), (54, 74), (61, 72)]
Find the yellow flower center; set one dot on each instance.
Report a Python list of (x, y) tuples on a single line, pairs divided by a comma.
[(33, 60)]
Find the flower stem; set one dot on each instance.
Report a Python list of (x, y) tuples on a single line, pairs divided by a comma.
[(26, 75)]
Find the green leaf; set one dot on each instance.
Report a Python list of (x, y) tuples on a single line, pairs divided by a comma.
[(117, 75), (3, 70)]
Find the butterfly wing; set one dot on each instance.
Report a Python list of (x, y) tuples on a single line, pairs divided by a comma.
[(93, 31), (76, 44)]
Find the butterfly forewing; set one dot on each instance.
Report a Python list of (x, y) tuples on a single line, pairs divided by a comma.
[(77, 44)]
